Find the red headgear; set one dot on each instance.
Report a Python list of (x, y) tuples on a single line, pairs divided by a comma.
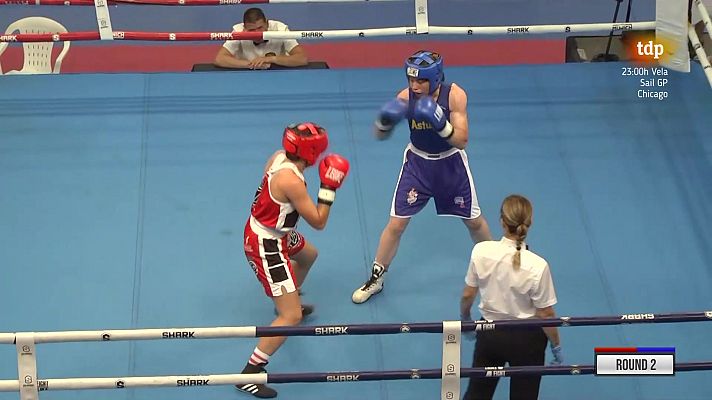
[(306, 141)]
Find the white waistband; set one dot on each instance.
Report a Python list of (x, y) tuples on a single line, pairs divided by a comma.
[(262, 230), (430, 156)]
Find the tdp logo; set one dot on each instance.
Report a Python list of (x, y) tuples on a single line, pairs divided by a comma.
[(650, 49)]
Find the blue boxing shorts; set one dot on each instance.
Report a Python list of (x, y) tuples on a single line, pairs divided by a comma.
[(445, 177)]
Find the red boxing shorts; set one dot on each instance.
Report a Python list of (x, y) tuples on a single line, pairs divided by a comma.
[(269, 257)]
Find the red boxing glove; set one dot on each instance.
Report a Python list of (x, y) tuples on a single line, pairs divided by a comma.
[(332, 172)]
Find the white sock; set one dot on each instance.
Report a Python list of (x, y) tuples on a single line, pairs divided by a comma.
[(259, 357)]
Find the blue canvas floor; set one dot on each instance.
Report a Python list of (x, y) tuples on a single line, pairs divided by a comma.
[(123, 198)]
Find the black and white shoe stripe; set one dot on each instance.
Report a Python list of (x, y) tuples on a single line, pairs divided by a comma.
[(249, 388)]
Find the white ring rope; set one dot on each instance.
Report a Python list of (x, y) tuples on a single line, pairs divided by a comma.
[(701, 55), (138, 381), (137, 334), (333, 34), (705, 17)]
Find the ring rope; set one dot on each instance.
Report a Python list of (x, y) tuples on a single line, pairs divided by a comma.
[(696, 41), (313, 377), (332, 34), (705, 16), (355, 329)]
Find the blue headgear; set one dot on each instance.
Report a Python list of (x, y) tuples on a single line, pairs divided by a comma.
[(425, 64)]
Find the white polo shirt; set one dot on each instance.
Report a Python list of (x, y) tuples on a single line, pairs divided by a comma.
[(248, 50), (505, 292)]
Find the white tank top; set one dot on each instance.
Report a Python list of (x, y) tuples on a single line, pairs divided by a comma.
[(270, 216)]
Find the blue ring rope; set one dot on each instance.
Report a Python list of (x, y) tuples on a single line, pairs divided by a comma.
[(357, 376), (437, 327)]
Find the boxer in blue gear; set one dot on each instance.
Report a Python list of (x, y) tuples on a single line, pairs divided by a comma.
[(435, 164)]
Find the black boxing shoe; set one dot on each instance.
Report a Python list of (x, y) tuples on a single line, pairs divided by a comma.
[(258, 390)]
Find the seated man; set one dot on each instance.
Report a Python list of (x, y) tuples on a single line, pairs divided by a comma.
[(260, 54)]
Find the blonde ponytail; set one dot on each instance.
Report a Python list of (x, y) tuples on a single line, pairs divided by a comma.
[(516, 213)]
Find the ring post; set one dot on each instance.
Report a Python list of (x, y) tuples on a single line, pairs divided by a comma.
[(103, 20), (421, 17), (452, 335), (26, 365)]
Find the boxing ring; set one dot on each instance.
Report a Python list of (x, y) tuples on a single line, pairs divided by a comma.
[(32, 381), (450, 373), (107, 33)]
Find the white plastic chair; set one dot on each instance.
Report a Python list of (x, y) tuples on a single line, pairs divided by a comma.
[(37, 55)]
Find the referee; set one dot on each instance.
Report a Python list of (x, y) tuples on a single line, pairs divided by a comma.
[(513, 283)]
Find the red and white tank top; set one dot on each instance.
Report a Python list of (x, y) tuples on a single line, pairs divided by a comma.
[(268, 215)]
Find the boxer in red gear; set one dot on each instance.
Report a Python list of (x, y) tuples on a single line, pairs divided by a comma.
[(280, 256)]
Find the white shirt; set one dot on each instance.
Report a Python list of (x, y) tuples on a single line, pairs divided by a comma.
[(505, 292), (248, 50)]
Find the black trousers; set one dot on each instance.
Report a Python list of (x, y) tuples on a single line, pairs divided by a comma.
[(516, 347)]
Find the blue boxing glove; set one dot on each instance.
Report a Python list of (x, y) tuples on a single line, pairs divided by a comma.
[(426, 109), (558, 355), (390, 115)]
